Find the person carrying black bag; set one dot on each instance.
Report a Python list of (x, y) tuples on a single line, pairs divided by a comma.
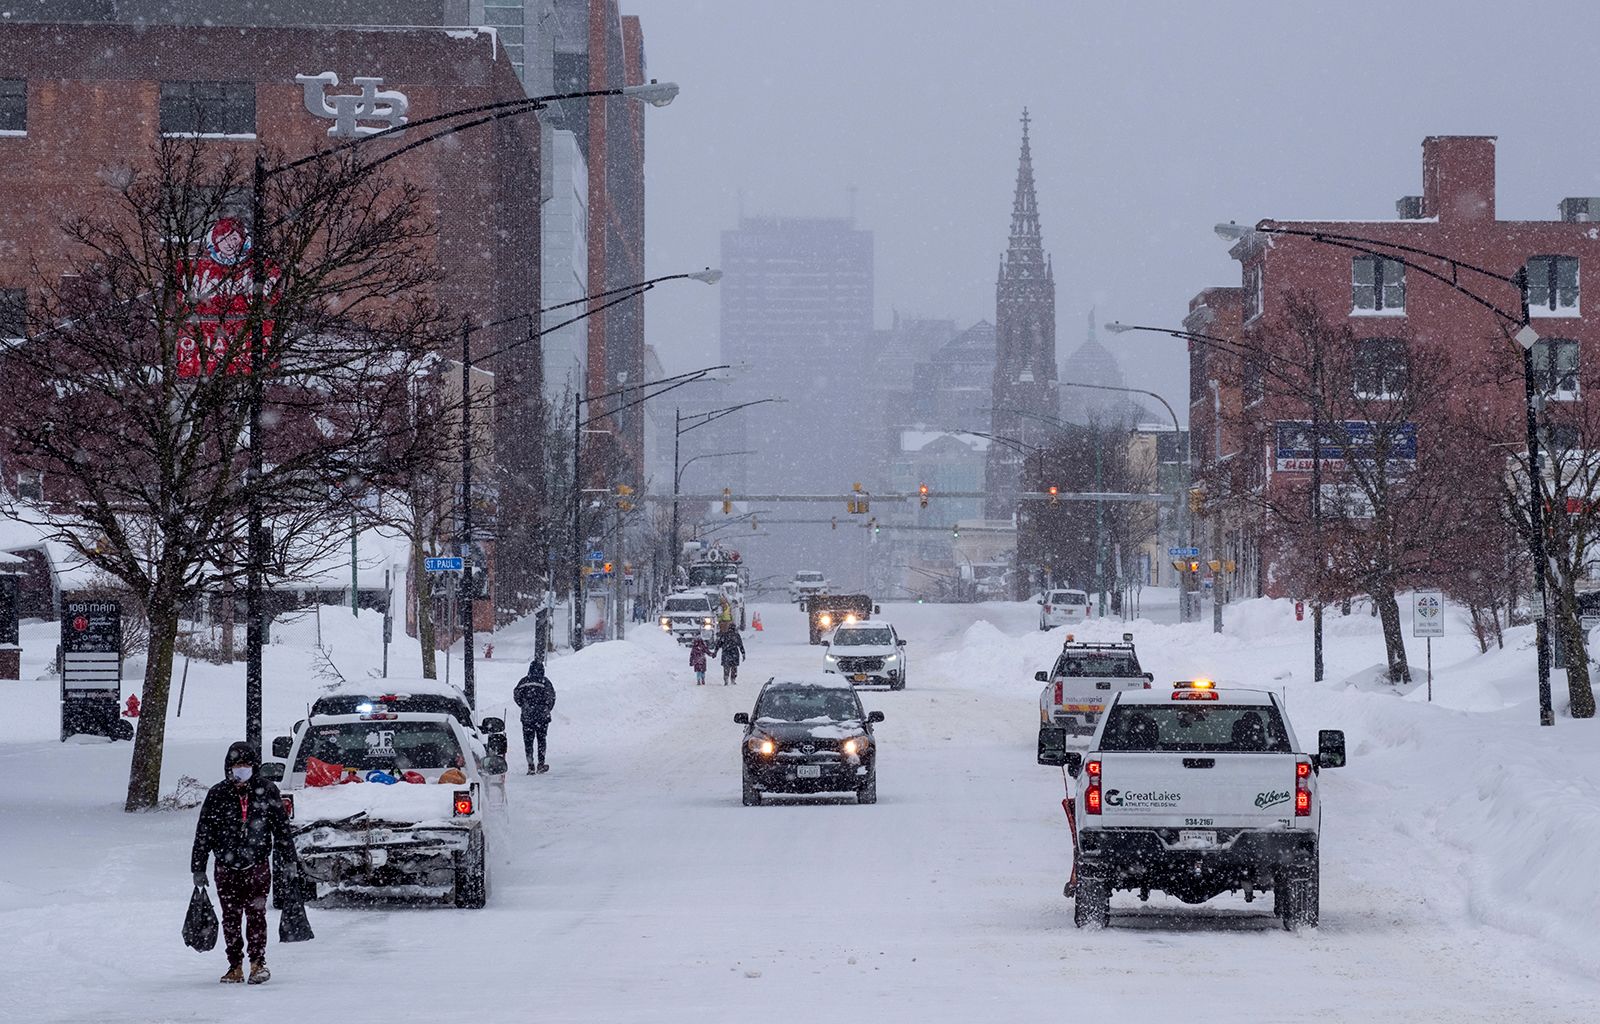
[(243, 823), (536, 696)]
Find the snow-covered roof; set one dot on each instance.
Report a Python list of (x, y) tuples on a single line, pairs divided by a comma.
[(1158, 695), (916, 440), (398, 687), (819, 681)]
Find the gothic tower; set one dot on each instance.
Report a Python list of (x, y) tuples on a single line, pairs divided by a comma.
[(1024, 387)]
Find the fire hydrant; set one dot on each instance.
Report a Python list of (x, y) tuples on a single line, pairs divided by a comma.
[(1299, 611), (132, 710), (488, 652)]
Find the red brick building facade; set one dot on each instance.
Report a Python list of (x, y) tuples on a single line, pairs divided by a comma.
[(1395, 315), (79, 101)]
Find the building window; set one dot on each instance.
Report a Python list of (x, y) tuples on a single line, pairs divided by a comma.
[(1380, 368), (1553, 286), (208, 108), (13, 313), (30, 485), (1254, 292), (1555, 368), (1254, 385), (13, 106), (1377, 285)]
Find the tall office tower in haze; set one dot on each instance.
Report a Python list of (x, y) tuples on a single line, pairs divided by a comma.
[(796, 324), (1024, 391)]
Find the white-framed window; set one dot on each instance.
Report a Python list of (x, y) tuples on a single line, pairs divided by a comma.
[(1555, 368), (1380, 368), (1553, 286), (13, 106), (212, 110), (1255, 295), (30, 485), (1377, 286), (13, 313)]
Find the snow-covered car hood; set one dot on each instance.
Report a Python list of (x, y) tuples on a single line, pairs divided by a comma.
[(864, 651), (817, 729)]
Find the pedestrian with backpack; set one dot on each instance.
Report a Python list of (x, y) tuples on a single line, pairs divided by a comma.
[(730, 649), (536, 696)]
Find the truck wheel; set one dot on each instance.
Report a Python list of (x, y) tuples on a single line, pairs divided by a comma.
[(1091, 907), (472, 881), (868, 794), (1303, 896), (752, 795)]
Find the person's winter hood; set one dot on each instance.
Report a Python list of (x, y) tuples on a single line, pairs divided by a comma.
[(241, 753)]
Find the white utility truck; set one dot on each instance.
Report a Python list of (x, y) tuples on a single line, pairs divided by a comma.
[(1080, 683), (1195, 792)]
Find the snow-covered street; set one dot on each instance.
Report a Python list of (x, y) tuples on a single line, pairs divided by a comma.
[(1455, 869)]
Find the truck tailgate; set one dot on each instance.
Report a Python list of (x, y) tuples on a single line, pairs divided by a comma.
[(1221, 790)]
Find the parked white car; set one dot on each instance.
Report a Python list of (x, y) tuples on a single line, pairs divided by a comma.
[(1197, 791), (419, 801), (1062, 608)]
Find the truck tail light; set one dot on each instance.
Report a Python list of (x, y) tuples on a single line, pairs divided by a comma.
[(1302, 789), (463, 803), (288, 806), (1091, 795), (1047, 609), (1059, 695)]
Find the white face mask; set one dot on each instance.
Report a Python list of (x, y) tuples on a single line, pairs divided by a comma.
[(242, 772)]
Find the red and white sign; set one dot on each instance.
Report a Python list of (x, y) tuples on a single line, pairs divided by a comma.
[(215, 336)]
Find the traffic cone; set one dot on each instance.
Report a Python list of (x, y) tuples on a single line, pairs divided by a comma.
[(755, 622)]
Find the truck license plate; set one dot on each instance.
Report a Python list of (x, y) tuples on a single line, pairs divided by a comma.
[(1197, 839), (808, 771), (859, 677)]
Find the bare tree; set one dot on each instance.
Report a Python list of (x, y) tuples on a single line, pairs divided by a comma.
[(135, 401)]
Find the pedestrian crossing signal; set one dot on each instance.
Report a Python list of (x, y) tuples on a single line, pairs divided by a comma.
[(922, 495)]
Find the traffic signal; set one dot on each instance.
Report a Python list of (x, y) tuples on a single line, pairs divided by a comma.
[(623, 494), (835, 525), (955, 531), (922, 495), (754, 526), (1194, 566), (606, 569), (874, 525), (727, 500), (1054, 490)]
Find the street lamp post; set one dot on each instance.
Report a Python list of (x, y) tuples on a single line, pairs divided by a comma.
[(655, 93), (696, 421)]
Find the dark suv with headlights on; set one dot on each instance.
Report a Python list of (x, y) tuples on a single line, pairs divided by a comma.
[(809, 736)]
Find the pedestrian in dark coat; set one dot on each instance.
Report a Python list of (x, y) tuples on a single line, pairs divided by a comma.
[(698, 650), (730, 650), (243, 824), (536, 696)]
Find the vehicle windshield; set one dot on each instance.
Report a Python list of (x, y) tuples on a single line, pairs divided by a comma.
[(807, 703), (808, 577), (688, 604), (423, 703), (390, 745), (1099, 664), (712, 574), (1067, 597), (1195, 725), (876, 637)]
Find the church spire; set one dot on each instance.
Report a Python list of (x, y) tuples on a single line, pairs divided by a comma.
[(1026, 244)]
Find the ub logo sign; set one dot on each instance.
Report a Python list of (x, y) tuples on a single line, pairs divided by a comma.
[(348, 111)]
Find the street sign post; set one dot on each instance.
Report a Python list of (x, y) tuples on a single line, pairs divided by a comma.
[(442, 564), (1183, 552), (91, 669), (1427, 620)]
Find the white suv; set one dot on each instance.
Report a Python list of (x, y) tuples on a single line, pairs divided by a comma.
[(1062, 608), (807, 583), (867, 652)]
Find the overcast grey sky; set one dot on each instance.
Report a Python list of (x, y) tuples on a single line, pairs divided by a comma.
[(1152, 121)]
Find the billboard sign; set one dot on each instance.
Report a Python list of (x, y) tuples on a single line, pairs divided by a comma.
[(215, 334), (1293, 450)]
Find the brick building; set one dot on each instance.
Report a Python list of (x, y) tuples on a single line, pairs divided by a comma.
[(79, 100), (1396, 316)]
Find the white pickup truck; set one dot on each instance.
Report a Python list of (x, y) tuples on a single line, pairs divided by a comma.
[(1080, 684), (401, 804), (1195, 792)]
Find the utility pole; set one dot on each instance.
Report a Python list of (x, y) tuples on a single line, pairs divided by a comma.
[(256, 616), (467, 678), (1316, 507), (1216, 514)]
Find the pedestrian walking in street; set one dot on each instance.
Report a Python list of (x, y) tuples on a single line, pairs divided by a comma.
[(243, 824), (730, 650), (699, 648), (536, 696)]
